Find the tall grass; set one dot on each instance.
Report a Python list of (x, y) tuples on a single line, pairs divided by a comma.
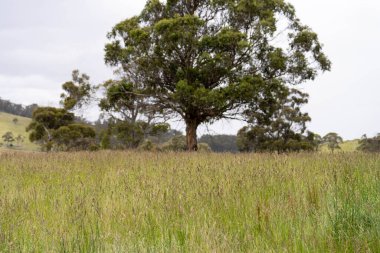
[(155, 202)]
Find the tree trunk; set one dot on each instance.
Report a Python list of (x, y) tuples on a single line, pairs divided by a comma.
[(191, 135)]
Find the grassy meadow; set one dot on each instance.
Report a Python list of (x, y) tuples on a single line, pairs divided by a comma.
[(169, 202)]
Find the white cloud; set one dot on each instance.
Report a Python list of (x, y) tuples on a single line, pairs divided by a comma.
[(29, 89)]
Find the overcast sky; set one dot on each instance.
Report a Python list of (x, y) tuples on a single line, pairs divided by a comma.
[(42, 41)]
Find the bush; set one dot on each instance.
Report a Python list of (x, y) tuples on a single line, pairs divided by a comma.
[(204, 147), (370, 144)]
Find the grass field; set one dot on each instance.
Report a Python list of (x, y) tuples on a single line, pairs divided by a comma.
[(156, 202), (6, 124)]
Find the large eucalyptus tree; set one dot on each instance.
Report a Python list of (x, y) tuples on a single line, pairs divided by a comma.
[(205, 60)]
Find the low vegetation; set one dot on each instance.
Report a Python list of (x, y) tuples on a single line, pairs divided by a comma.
[(180, 202), (370, 144)]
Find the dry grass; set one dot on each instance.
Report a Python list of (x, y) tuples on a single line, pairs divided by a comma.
[(155, 202)]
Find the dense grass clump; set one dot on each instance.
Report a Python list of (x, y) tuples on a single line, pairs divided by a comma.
[(155, 202)]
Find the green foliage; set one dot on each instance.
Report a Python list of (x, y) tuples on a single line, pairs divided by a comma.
[(8, 138), (45, 120), (131, 135), (333, 140), (370, 144), (120, 100), (54, 129), (277, 124), (76, 92), (148, 145), (204, 147), (208, 60), (74, 137), (105, 140), (177, 144), (133, 117), (220, 143), (164, 137), (316, 140)]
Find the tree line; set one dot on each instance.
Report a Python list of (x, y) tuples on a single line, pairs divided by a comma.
[(17, 109)]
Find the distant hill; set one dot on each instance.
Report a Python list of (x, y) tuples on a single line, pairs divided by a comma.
[(17, 109), (18, 128)]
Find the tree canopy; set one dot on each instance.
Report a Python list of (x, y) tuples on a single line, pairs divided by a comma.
[(8, 138), (55, 129), (133, 117), (277, 124), (204, 60), (332, 140), (76, 92)]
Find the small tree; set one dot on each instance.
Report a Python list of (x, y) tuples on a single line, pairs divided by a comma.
[(134, 118), (333, 140), (55, 129), (316, 139), (8, 138), (45, 121), (19, 139), (15, 121), (277, 124)]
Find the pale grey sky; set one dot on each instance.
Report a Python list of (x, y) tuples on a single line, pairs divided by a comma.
[(42, 41)]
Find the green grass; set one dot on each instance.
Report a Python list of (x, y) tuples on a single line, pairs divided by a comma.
[(157, 202), (350, 146), (6, 124)]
